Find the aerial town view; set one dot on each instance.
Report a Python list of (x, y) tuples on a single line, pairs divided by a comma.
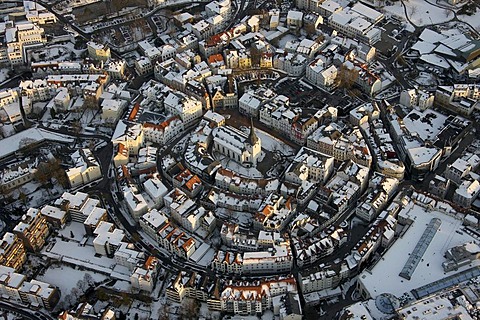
[(240, 159)]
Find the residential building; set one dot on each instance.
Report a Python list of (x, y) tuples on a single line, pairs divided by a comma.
[(164, 132), (12, 251), (417, 98), (97, 51), (108, 239), (86, 170), (466, 193), (17, 175), (32, 229)]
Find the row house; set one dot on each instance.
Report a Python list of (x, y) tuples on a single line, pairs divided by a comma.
[(164, 132), (17, 175), (327, 277), (34, 293), (274, 212), (198, 286), (310, 250), (277, 259), (231, 181), (176, 241), (254, 298)]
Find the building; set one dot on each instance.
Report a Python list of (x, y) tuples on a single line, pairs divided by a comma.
[(143, 278), (439, 186), (34, 293), (20, 36), (277, 259), (466, 193), (17, 175), (97, 51), (76, 206), (417, 98), (250, 298), (294, 19), (96, 216), (39, 294), (108, 239), (155, 188), (32, 230), (164, 132), (152, 221), (309, 165), (321, 76), (12, 251), (55, 216), (136, 203), (112, 109), (143, 66), (86, 170), (461, 98), (358, 23), (187, 108), (236, 145)]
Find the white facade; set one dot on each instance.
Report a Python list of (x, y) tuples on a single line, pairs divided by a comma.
[(237, 145), (187, 108), (86, 170)]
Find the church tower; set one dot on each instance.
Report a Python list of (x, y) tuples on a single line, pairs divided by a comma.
[(253, 146)]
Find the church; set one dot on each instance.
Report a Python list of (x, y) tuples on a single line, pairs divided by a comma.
[(237, 145)]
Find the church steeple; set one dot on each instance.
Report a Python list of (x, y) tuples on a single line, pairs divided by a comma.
[(252, 137)]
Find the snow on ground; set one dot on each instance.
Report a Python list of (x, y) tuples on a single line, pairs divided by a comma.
[(75, 228), (139, 310), (3, 74), (66, 277), (474, 19), (420, 12), (283, 41), (270, 142)]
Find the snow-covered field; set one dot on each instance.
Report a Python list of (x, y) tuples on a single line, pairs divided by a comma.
[(420, 12), (66, 277), (474, 20), (3, 74)]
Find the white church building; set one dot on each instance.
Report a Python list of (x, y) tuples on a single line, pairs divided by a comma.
[(237, 145)]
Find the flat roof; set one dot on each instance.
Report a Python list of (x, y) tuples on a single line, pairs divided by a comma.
[(384, 276)]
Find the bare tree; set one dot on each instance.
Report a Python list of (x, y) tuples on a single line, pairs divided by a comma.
[(23, 198), (163, 312), (51, 169), (413, 10), (447, 12), (346, 77), (189, 309), (88, 279)]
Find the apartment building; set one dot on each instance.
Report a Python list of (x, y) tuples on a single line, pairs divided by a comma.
[(97, 51), (108, 239), (86, 168), (34, 293), (32, 230), (12, 251)]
